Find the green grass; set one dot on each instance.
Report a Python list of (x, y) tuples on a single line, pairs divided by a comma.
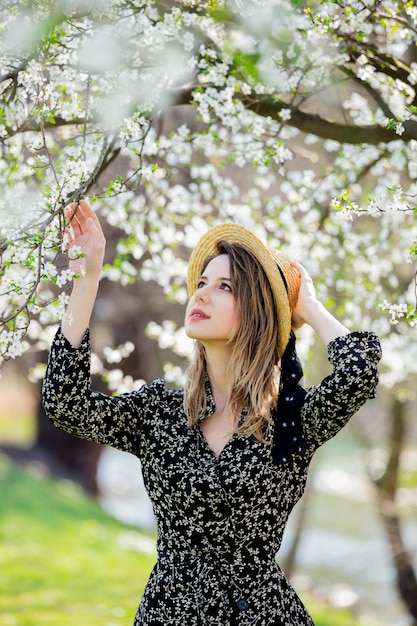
[(328, 616), (62, 564)]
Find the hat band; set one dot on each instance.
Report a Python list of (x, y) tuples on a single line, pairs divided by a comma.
[(283, 278), (289, 437)]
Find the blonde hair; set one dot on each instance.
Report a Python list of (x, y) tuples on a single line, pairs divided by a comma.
[(253, 362)]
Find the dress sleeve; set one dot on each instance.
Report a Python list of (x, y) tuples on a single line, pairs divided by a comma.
[(328, 406), (72, 406)]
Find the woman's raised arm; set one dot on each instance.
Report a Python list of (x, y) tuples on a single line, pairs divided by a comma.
[(85, 233), (310, 311)]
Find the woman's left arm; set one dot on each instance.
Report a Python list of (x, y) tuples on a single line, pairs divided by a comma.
[(328, 406), (310, 311)]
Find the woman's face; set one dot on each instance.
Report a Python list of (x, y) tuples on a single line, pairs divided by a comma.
[(211, 312)]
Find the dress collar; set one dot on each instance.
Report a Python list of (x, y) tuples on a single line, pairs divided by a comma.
[(210, 404)]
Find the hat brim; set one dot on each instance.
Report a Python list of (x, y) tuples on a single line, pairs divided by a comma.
[(283, 292)]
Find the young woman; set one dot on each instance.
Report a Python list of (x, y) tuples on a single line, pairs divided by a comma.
[(224, 460)]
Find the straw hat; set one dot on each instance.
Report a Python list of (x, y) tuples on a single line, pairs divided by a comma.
[(283, 277)]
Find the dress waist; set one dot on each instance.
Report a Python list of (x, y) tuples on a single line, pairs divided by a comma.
[(222, 554)]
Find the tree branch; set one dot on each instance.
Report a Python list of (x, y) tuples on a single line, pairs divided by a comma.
[(317, 125), (385, 63), (375, 95)]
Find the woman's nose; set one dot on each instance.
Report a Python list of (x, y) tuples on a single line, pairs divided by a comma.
[(201, 294)]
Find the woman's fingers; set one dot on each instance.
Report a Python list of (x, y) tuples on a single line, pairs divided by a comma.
[(84, 228), (77, 215), (88, 213), (74, 217)]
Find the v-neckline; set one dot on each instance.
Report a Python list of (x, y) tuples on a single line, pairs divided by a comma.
[(210, 449), (210, 409)]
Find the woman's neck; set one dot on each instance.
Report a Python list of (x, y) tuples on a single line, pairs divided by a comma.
[(217, 369)]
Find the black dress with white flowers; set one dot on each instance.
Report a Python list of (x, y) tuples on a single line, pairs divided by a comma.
[(220, 521)]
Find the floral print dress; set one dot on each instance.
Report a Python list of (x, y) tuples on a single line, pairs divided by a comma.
[(220, 520)]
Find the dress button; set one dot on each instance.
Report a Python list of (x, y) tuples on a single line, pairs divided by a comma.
[(242, 604)]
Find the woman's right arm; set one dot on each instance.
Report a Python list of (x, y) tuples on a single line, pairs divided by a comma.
[(72, 406), (68, 398), (85, 233)]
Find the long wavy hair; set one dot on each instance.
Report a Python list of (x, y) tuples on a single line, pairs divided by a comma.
[(254, 358)]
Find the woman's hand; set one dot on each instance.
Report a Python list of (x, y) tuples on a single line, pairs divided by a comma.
[(86, 259), (309, 310), (86, 236), (306, 298)]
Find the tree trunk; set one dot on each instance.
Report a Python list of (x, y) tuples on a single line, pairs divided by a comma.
[(387, 487)]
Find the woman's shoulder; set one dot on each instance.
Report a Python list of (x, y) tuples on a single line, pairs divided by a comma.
[(158, 391), (161, 406)]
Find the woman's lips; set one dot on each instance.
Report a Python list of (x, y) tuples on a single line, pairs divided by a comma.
[(198, 314)]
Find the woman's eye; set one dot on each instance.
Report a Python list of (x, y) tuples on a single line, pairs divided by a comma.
[(223, 286)]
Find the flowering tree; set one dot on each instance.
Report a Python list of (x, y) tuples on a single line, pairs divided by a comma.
[(330, 88), (298, 122)]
